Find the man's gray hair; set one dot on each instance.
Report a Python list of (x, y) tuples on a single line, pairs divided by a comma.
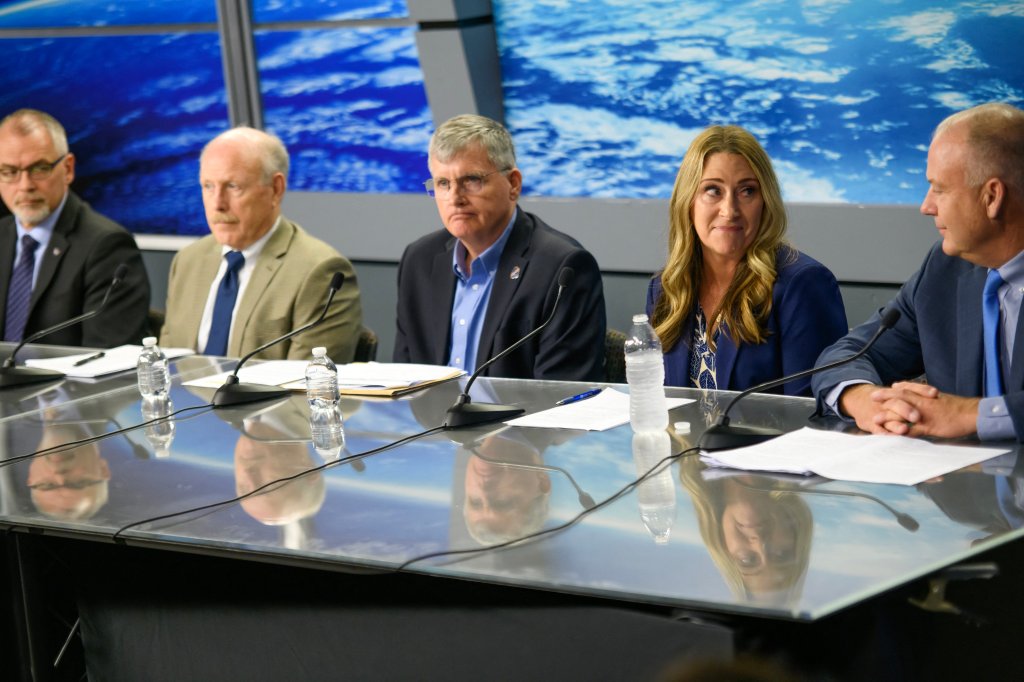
[(995, 137), (456, 134), (27, 121), (268, 147)]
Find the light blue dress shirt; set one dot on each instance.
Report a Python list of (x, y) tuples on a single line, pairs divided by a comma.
[(994, 421), (41, 233), (472, 294)]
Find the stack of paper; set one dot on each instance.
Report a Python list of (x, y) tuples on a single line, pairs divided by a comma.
[(358, 378), (606, 410), (93, 364)]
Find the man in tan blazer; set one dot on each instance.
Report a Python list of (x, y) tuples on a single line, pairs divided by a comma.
[(279, 283)]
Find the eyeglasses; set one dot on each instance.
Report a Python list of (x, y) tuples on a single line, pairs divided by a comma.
[(469, 184), (37, 171)]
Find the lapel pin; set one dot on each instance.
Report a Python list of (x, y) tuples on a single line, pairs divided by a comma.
[(515, 273), (56, 251)]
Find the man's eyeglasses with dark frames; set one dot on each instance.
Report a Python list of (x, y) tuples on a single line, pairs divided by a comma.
[(37, 171)]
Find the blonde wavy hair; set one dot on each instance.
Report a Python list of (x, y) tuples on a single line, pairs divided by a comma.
[(748, 301)]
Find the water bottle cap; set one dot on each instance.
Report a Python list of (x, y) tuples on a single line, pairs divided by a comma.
[(319, 352), (149, 341), (639, 319)]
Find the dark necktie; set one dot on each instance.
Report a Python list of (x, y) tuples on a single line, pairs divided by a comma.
[(990, 324), (19, 292), (227, 292)]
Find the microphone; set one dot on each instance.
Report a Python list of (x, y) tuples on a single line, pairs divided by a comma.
[(235, 393), (464, 412), (723, 436), (905, 520), (10, 375)]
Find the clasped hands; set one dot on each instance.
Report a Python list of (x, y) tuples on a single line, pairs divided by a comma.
[(909, 408)]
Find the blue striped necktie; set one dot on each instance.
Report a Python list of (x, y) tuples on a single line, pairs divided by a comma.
[(227, 292), (990, 325), (19, 292)]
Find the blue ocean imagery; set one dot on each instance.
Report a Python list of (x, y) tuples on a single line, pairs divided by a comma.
[(604, 97), (349, 104)]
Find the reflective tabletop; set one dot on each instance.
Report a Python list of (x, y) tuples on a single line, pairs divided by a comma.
[(686, 536)]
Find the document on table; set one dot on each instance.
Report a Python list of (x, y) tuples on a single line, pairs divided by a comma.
[(608, 409), (356, 378), (113, 360), (853, 457)]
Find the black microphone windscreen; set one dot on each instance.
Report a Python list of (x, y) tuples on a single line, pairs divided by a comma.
[(120, 272), (565, 276), (890, 318), (337, 280)]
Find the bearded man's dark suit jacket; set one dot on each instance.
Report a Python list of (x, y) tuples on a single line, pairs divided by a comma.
[(525, 284), (939, 334), (74, 274)]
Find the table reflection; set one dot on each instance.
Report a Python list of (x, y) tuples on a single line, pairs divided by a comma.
[(70, 483), (757, 532)]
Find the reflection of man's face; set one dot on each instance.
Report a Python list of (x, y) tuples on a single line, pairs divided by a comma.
[(504, 501), (259, 462), (71, 484), (761, 538)]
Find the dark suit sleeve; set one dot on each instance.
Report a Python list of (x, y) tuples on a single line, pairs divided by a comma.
[(810, 317), (401, 351), (895, 356), (572, 346), (124, 320)]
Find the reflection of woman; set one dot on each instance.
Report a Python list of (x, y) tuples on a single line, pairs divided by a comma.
[(735, 306), (759, 537)]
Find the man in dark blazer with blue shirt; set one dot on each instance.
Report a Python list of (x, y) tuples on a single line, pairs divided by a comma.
[(976, 196), (490, 277), (57, 255)]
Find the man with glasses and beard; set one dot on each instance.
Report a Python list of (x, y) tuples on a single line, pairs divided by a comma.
[(57, 255)]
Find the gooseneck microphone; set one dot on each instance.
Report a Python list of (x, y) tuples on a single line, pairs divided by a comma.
[(467, 413), (10, 375), (724, 436), (235, 393)]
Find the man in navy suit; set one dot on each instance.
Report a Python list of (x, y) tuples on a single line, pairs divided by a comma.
[(469, 291), (976, 196), (57, 255)]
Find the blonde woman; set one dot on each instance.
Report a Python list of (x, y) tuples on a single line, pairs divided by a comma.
[(735, 305)]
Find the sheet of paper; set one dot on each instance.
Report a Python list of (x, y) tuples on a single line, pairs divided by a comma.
[(608, 409), (854, 457), (270, 373), (114, 360), (391, 374)]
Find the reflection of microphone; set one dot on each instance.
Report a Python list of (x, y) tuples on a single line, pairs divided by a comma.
[(586, 501), (10, 375), (467, 413), (905, 520), (235, 393), (723, 436), (138, 450)]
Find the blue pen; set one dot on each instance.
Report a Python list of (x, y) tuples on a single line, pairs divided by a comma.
[(581, 396)]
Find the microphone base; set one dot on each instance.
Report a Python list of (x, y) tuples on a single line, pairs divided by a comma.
[(470, 414), (241, 394), (729, 437), (20, 376)]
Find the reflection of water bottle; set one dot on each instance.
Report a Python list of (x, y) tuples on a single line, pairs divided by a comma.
[(159, 434), (154, 377), (645, 374), (326, 426), (657, 493), (321, 381)]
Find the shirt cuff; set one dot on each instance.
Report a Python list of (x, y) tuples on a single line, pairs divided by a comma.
[(832, 399), (994, 421)]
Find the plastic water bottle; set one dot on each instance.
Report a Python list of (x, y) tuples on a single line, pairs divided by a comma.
[(326, 426), (645, 374), (159, 434), (321, 381), (656, 494), (154, 377)]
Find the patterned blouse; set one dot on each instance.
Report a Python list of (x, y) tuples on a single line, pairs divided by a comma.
[(702, 358)]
